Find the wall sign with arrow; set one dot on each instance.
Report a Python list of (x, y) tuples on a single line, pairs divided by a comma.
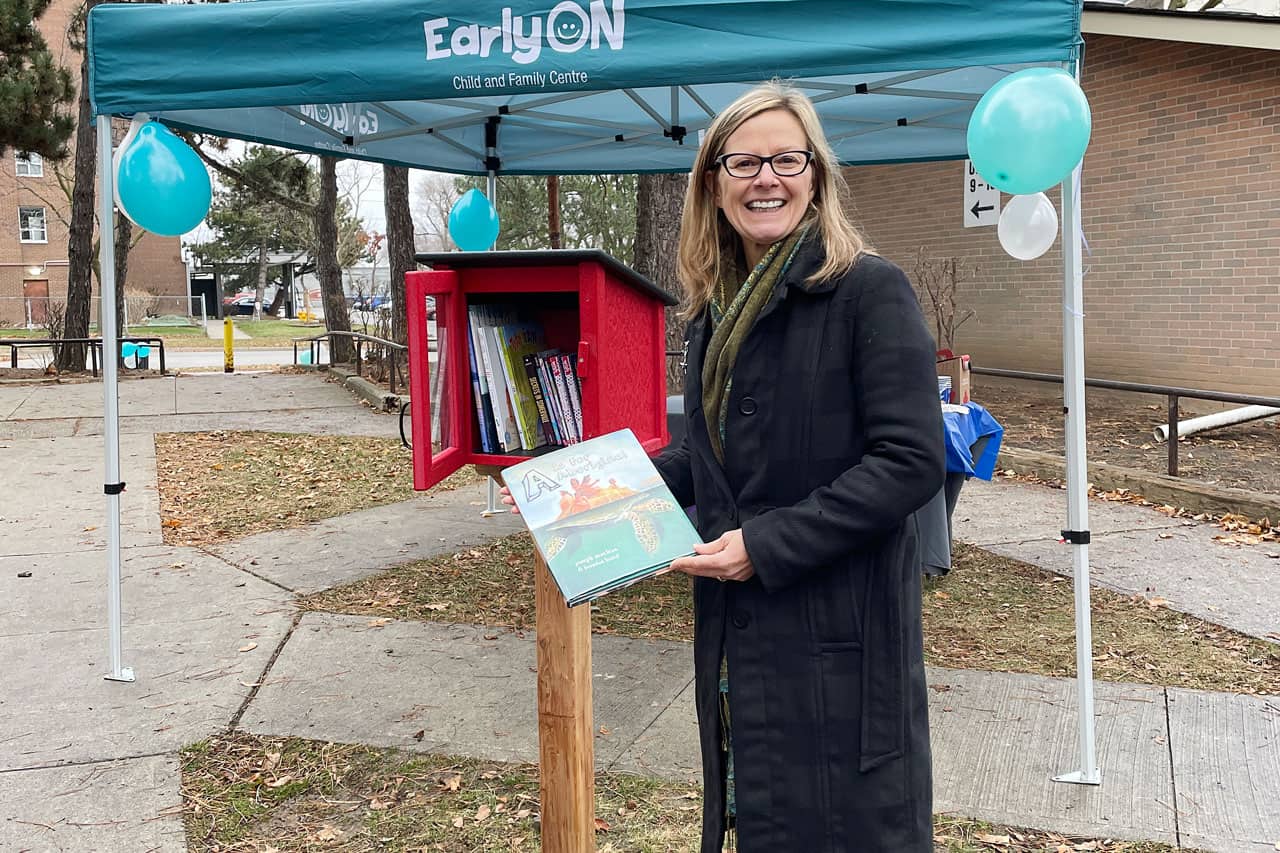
[(981, 200)]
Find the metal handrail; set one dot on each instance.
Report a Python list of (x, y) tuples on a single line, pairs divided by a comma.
[(359, 339), (94, 344), (1170, 392)]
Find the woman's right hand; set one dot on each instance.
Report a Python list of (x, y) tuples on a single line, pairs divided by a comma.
[(508, 500)]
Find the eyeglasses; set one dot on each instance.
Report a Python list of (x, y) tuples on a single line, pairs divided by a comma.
[(785, 164)]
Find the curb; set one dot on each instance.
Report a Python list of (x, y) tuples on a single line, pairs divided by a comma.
[(1158, 488), (366, 390)]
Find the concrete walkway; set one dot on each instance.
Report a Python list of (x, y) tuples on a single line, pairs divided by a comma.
[(216, 640), (213, 328)]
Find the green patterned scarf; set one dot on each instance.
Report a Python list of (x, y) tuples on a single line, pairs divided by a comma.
[(730, 327)]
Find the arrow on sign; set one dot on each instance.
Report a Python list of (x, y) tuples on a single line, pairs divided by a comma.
[(977, 210)]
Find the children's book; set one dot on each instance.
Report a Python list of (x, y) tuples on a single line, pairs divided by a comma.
[(480, 393), (600, 515), (516, 340)]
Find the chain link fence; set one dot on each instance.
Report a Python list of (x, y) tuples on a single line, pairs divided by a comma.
[(142, 312)]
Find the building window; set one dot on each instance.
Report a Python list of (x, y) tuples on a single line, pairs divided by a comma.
[(31, 166), (31, 227)]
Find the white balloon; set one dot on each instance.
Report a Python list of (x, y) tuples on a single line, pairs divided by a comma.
[(1028, 226)]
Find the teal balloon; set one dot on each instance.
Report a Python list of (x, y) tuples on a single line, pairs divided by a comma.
[(161, 184), (1029, 130), (143, 350), (304, 357), (127, 349), (473, 223)]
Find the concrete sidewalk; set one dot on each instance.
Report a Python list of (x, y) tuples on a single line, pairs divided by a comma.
[(216, 640)]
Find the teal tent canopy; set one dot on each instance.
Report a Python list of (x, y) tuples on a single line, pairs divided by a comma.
[(477, 86), (563, 87)]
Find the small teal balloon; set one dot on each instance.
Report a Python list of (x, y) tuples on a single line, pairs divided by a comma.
[(127, 349), (1029, 130), (473, 223), (304, 357), (143, 350), (160, 182)]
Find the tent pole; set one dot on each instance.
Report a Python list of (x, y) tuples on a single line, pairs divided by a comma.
[(1077, 533), (111, 408), (491, 190)]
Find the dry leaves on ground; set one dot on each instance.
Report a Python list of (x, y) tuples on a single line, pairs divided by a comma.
[(225, 484)]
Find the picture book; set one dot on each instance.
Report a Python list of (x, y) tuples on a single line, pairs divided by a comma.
[(517, 340), (600, 515)]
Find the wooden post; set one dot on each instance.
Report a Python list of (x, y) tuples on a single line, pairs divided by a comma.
[(566, 747)]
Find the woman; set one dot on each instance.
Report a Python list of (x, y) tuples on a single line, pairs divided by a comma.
[(813, 433)]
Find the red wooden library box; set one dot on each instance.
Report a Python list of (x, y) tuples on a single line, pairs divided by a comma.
[(587, 303)]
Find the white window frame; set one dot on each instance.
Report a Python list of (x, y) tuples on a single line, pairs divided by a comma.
[(31, 166), (25, 231)]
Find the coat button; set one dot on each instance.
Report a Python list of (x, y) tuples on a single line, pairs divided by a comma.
[(747, 406), (741, 618)]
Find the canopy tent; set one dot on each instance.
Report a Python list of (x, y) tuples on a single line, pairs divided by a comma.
[(543, 87)]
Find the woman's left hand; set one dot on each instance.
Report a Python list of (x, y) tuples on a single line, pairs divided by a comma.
[(724, 559)]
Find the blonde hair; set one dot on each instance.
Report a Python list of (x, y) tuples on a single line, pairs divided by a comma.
[(707, 238)]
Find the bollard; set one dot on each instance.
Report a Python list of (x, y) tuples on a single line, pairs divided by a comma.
[(228, 350)]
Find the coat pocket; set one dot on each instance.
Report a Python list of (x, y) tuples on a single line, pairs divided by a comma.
[(884, 681), (835, 608)]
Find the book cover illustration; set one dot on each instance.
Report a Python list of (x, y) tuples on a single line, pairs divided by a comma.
[(600, 515)]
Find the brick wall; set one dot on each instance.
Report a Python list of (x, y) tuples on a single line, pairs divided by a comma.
[(1181, 211), (155, 263)]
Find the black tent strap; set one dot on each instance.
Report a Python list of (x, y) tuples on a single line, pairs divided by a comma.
[(113, 488), (1075, 537)]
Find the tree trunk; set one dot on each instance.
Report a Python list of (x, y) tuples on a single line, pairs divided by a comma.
[(336, 318), (80, 239), (395, 195), (261, 292), (659, 201), (124, 236), (553, 210)]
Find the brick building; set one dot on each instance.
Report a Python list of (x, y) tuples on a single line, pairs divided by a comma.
[(1181, 212), (34, 212)]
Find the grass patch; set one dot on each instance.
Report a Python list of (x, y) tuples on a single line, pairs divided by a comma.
[(996, 613), (242, 792), (991, 613), (221, 485), (246, 793), (493, 585), (167, 332)]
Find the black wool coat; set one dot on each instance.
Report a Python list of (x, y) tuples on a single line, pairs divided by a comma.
[(833, 438)]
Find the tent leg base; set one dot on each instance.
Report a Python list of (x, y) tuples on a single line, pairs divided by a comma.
[(125, 674), (1078, 777)]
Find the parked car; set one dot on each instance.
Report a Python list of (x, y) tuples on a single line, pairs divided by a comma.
[(239, 305)]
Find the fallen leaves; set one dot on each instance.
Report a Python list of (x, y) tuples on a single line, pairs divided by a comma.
[(224, 484), (247, 647)]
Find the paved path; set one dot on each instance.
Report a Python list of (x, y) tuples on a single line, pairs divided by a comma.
[(87, 764), (213, 328)]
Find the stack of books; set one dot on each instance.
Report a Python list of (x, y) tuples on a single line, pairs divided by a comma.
[(526, 395)]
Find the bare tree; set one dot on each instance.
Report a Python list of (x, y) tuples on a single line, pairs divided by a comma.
[(395, 204), (328, 270), (659, 202), (124, 237), (434, 198), (937, 282), (80, 240)]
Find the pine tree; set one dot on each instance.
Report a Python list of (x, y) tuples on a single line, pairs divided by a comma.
[(33, 89)]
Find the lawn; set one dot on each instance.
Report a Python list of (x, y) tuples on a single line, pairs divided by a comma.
[(249, 793), (991, 612), (225, 484)]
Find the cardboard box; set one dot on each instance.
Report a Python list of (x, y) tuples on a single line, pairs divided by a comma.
[(957, 367)]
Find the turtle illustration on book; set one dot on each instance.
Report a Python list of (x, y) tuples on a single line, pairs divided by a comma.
[(638, 510)]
